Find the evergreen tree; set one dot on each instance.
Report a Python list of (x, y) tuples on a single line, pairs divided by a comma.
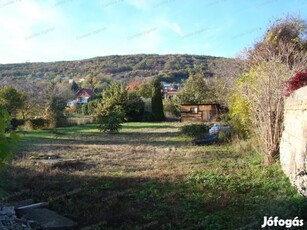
[(116, 98), (55, 105), (74, 86), (156, 100)]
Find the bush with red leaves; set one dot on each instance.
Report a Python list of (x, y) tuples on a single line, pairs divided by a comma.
[(298, 81)]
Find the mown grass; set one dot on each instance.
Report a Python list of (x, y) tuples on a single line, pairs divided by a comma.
[(149, 177)]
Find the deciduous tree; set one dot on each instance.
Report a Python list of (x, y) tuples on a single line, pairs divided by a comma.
[(195, 89), (271, 63), (11, 99), (54, 112), (90, 82)]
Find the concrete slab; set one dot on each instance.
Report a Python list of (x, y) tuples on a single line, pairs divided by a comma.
[(49, 219)]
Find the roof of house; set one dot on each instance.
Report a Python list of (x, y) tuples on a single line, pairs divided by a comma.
[(171, 92), (84, 91)]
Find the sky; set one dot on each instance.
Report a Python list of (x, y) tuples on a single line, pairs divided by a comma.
[(57, 30)]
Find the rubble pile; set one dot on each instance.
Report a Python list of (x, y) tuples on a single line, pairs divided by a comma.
[(9, 220), (32, 217)]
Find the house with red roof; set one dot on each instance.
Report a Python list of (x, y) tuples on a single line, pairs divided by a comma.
[(81, 97)]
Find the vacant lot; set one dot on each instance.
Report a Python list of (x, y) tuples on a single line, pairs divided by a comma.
[(147, 177)]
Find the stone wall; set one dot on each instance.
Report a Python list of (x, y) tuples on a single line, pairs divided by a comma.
[(293, 147)]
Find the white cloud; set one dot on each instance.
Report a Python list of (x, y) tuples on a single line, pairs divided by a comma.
[(171, 26), (175, 27)]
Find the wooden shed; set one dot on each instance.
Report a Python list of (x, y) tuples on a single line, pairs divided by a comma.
[(200, 112)]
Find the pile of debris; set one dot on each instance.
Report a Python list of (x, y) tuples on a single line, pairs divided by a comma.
[(32, 217), (212, 137), (9, 220)]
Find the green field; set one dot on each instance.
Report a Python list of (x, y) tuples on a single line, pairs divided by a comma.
[(148, 177)]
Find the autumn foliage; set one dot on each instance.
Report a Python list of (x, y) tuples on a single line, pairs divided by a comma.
[(134, 85), (297, 81)]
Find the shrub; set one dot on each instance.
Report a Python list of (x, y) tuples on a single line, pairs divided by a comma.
[(61, 122), (225, 136), (89, 108), (7, 142), (299, 80), (134, 107), (17, 122), (172, 106), (225, 119), (111, 123), (147, 116), (194, 130), (37, 123)]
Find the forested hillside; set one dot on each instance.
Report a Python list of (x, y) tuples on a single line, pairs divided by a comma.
[(171, 68)]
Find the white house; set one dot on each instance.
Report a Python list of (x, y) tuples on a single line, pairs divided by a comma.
[(82, 96)]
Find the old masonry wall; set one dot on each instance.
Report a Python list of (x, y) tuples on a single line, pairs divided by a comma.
[(293, 147)]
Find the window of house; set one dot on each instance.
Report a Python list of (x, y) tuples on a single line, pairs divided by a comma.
[(194, 110)]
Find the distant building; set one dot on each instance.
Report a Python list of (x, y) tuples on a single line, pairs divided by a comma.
[(81, 97), (200, 112), (77, 80), (166, 85), (169, 90), (168, 94)]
